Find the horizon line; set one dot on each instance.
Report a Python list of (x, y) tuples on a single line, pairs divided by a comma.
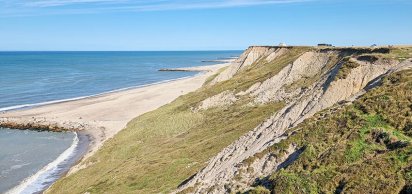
[(120, 50), (206, 50)]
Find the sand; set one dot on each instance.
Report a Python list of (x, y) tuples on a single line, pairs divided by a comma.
[(103, 116)]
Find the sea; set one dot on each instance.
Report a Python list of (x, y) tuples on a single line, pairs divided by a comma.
[(30, 161)]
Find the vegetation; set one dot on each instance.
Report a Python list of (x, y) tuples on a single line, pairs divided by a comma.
[(400, 53), (257, 72), (306, 82), (159, 150), (345, 69), (211, 78), (361, 148), (259, 190), (364, 147)]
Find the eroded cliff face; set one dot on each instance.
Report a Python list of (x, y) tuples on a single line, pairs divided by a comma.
[(316, 80), (250, 56)]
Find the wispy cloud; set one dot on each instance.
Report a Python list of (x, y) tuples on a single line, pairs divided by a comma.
[(8, 7), (55, 3)]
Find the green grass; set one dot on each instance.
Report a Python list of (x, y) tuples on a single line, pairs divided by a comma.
[(362, 148), (259, 190), (260, 71), (160, 149), (211, 78), (294, 183), (306, 82), (346, 68), (401, 53)]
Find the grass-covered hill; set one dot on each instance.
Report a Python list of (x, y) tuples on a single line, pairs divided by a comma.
[(364, 147), (255, 111)]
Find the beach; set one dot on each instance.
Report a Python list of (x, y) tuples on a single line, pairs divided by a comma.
[(102, 116)]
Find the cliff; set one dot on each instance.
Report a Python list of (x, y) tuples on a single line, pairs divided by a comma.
[(272, 121), (318, 79)]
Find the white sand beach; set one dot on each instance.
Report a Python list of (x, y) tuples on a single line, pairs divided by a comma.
[(103, 116)]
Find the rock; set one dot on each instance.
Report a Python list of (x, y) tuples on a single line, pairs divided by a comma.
[(250, 56), (225, 98), (324, 92)]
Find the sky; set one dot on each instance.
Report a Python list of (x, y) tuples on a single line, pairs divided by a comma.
[(136, 25)]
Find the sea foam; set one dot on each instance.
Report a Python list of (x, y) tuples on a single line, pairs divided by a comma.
[(48, 174)]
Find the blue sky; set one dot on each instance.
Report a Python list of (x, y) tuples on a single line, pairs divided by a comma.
[(200, 25)]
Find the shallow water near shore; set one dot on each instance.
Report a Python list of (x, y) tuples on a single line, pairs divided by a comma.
[(31, 161), (35, 77), (42, 156)]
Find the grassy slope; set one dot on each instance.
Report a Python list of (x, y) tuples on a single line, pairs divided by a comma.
[(159, 150), (362, 148)]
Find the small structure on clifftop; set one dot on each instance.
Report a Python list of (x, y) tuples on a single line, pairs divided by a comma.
[(282, 44), (324, 44)]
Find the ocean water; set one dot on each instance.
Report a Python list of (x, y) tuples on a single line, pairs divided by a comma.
[(24, 153), (30, 161), (35, 77)]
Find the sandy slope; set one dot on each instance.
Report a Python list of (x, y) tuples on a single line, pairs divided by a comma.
[(228, 169), (103, 116)]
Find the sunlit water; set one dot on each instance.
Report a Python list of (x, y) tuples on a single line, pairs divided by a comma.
[(30, 161), (23, 153)]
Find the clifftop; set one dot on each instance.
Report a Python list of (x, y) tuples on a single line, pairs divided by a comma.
[(284, 119), (316, 80)]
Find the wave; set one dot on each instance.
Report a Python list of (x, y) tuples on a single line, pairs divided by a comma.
[(52, 171), (48, 174), (14, 167), (17, 107)]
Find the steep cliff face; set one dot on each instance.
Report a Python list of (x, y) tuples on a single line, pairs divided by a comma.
[(360, 147), (251, 55), (280, 119), (318, 79)]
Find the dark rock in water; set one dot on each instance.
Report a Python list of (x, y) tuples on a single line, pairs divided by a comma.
[(184, 70)]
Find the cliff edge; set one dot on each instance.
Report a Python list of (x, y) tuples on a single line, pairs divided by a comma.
[(278, 119)]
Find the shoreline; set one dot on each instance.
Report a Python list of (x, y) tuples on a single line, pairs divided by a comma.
[(40, 104), (199, 69), (45, 177), (103, 115)]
